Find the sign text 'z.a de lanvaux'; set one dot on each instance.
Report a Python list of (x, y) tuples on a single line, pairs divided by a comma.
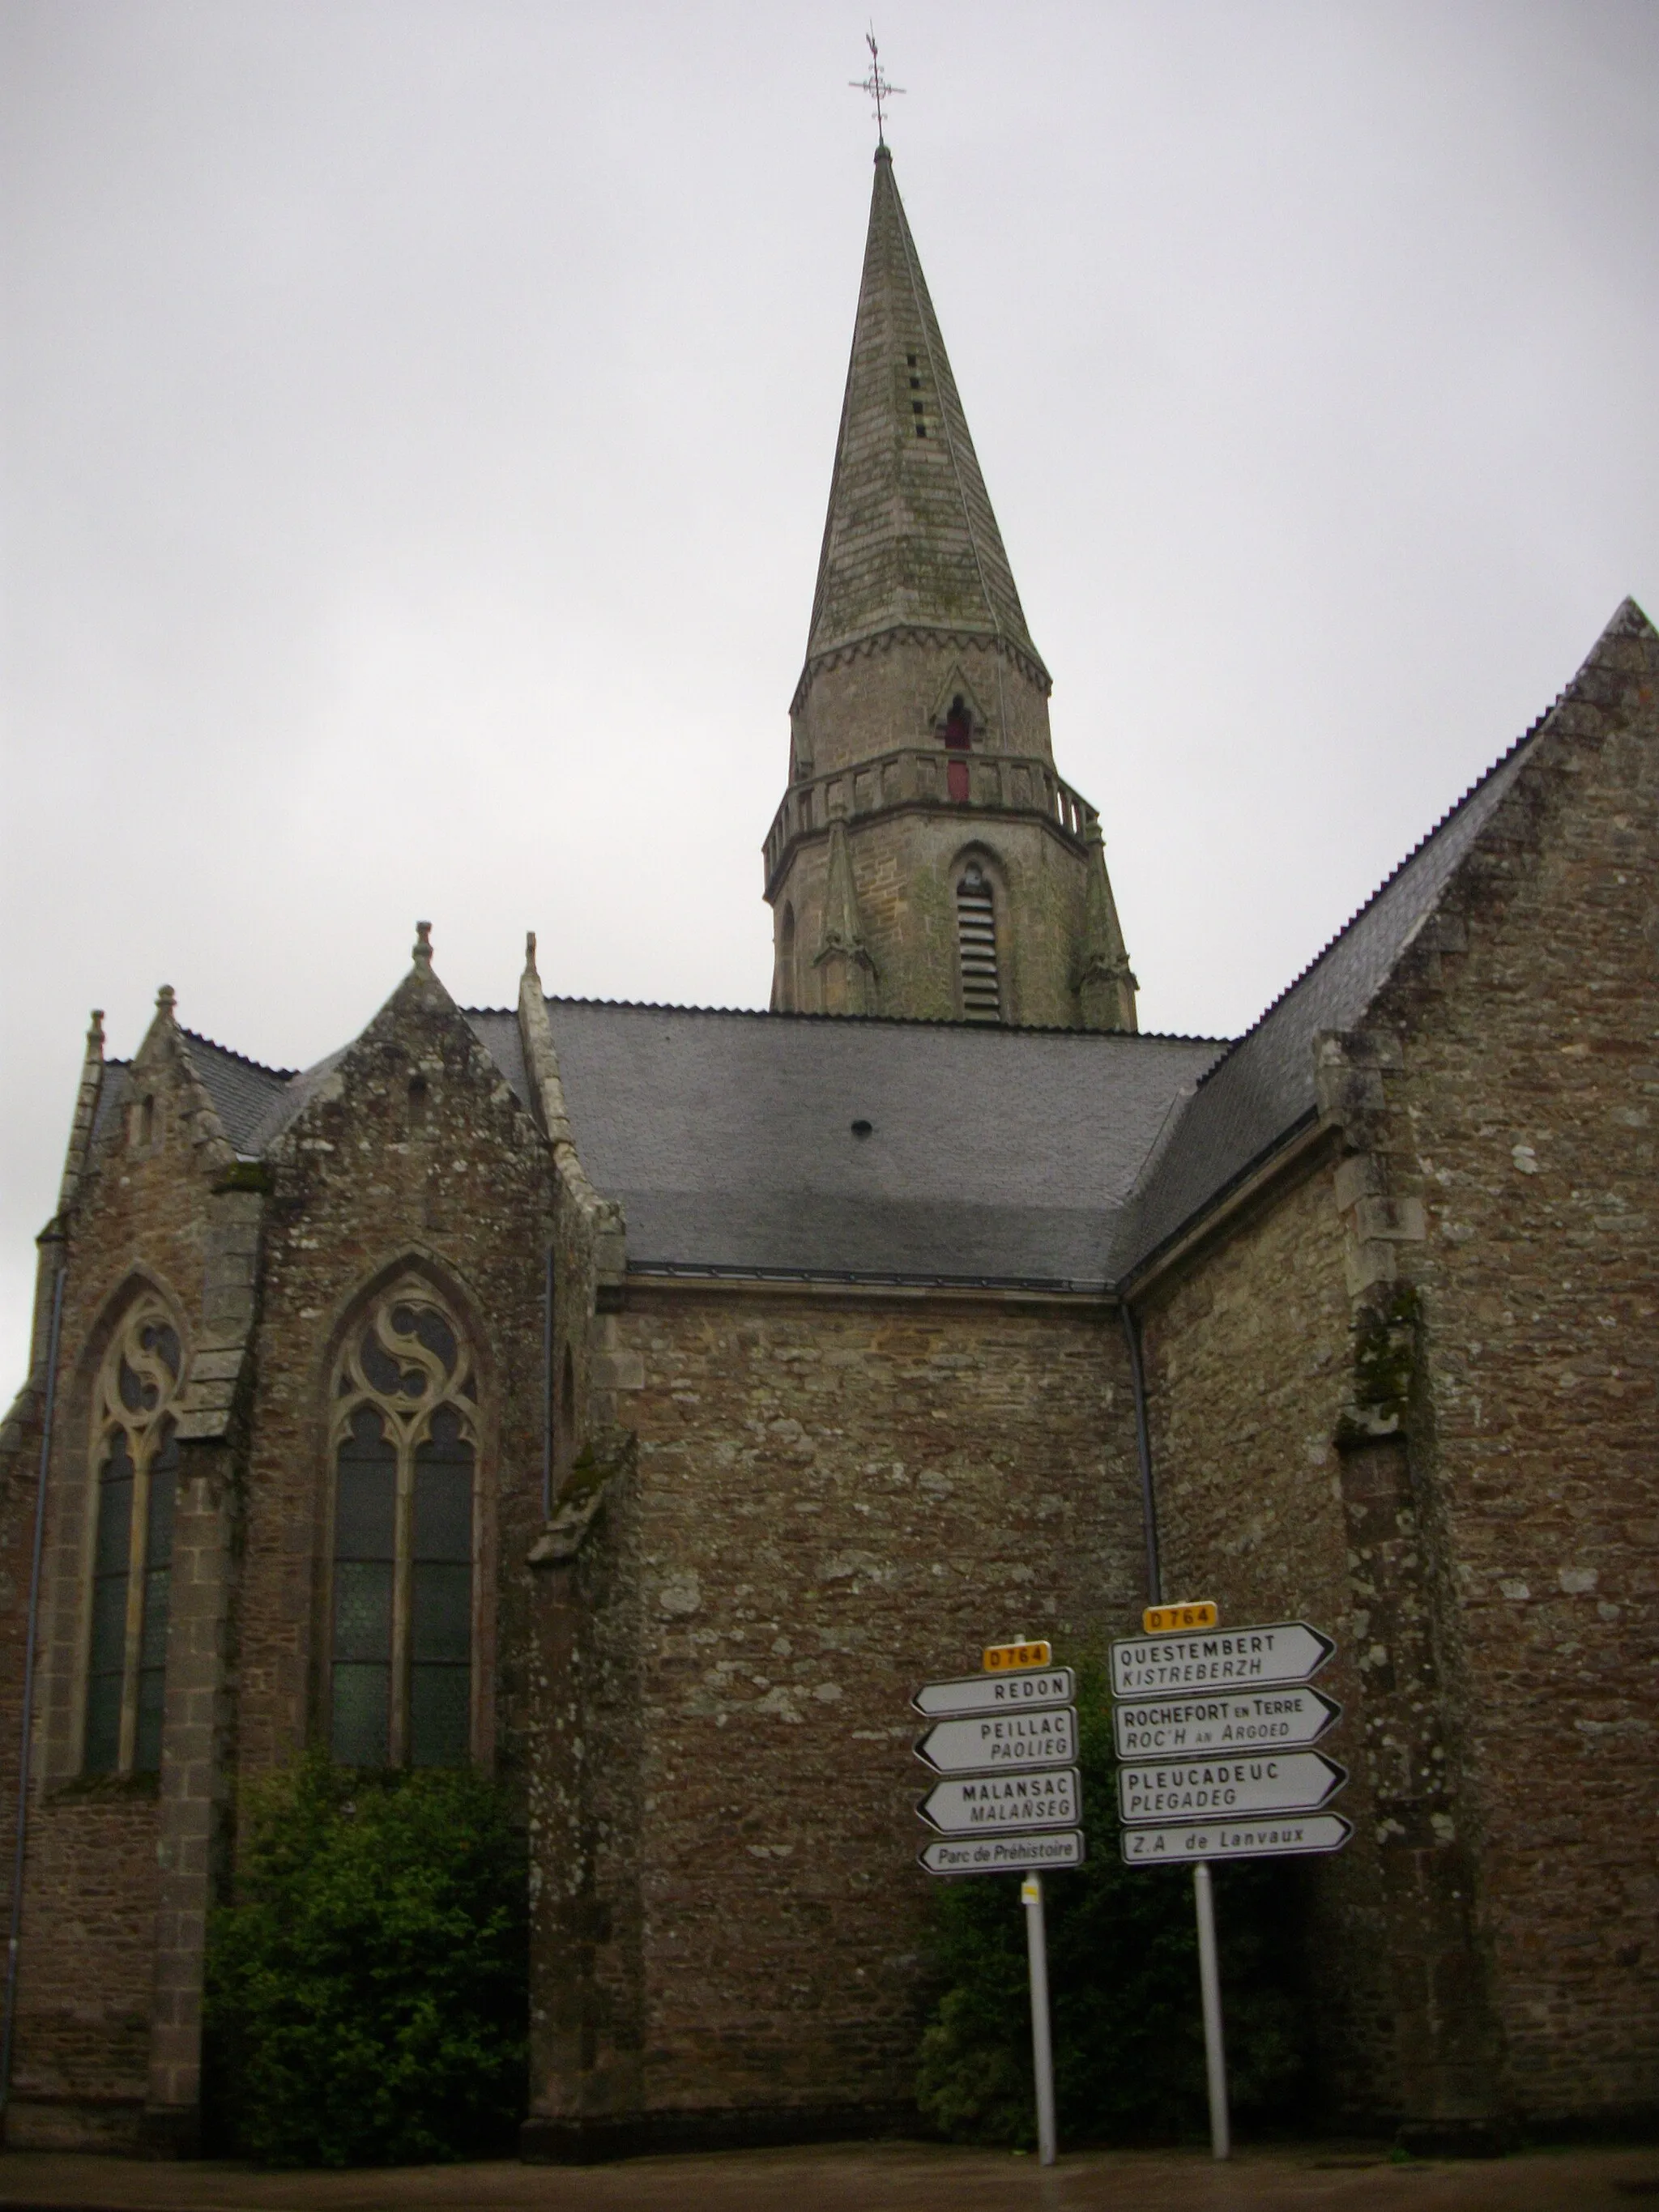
[(1287, 1837)]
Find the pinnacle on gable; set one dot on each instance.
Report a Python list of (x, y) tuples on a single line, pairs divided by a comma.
[(910, 539)]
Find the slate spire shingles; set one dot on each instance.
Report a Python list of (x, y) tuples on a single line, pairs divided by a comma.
[(910, 539)]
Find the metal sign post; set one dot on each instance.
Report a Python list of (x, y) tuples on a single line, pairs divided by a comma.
[(1238, 1696), (1010, 1732), (1209, 1987), (1042, 2053)]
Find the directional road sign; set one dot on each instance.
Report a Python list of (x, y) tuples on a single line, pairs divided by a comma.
[(1003, 1801), (1234, 1720), (1210, 1789), (1235, 1839), (1001, 1854), (998, 1742), (1218, 1659), (997, 1694)]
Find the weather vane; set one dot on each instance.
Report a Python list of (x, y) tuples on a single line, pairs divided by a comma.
[(876, 85)]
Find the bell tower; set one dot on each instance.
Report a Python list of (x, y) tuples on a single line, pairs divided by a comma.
[(926, 859)]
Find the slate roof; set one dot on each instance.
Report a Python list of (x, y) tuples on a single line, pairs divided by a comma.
[(992, 1154), (1052, 1159), (910, 537), (1261, 1089), (1057, 1159), (243, 1093)]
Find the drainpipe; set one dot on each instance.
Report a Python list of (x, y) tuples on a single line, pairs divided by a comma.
[(547, 1391), (1144, 1454), (15, 1935)]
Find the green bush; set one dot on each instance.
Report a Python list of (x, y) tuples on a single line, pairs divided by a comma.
[(367, 1987), (1123, 1979)]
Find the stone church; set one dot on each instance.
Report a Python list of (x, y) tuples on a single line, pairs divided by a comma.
[(639, 1401)]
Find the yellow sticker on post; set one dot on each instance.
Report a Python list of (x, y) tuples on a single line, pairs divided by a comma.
[(1167, 1619), (1001, 1658)]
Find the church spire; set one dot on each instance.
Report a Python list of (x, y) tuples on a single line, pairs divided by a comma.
[(924, 840), (910, 539)]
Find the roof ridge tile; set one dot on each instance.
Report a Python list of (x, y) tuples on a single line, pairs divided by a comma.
[(260, 1067)]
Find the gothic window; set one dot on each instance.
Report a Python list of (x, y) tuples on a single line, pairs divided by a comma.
[(977, 946), (958, 726), (136, 1462), (405, 1442)]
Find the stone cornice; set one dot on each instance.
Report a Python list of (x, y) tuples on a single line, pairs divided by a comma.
[(883, 640), (912, 779)]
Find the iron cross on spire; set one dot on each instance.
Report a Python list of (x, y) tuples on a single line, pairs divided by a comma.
[(877, 86)]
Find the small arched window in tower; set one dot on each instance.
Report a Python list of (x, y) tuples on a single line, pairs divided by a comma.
[(405, 1429), (977, 946), (958, 734), (135, 1456)]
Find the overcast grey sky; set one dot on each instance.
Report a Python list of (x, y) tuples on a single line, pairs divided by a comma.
[(417, 424)]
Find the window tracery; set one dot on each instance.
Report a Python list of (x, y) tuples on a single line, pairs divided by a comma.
[(135, 1458), (403, 1443)]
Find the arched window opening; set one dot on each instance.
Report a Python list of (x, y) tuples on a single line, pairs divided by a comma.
[(136, 1458), (958, 726), (419, 1099), (406, 1509), (786, 961), (977, 946), (147, 1121)]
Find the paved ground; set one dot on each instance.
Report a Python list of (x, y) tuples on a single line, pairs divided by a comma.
[(865, 2177)]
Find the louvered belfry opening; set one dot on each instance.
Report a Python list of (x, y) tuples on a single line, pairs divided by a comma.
[(977, 946)]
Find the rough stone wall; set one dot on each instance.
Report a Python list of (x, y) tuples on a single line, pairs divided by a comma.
[(1247, 1355), (85, 1988), (905, 867), (1518, 1115), (413, 1153), (833, 1500), (1494, 1425), (20, 1464)]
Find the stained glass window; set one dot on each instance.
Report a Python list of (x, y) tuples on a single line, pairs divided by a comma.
[(404, 1511), (136, 1462)]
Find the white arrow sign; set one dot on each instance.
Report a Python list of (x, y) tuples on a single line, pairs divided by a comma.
[(997, 1741), (1218, 1659), (1234, 1720), (1235, 1839), (1209, 1788), (1004, 1801), (997, 1694), (1001, 1854)]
